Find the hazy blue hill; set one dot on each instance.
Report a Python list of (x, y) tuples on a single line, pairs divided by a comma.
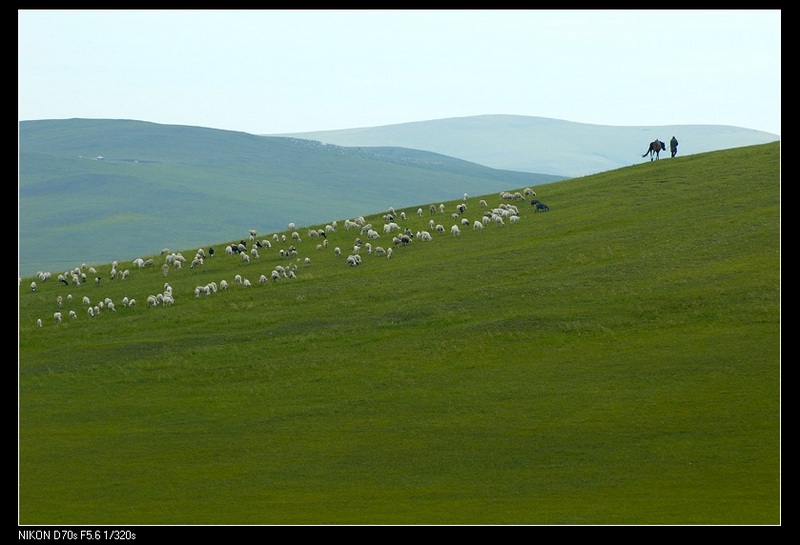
[(539, 144), (170, 186)]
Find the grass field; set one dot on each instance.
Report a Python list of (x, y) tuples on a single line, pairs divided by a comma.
[(615, 360)]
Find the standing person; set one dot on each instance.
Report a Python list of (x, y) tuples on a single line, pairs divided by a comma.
[(673, 146)]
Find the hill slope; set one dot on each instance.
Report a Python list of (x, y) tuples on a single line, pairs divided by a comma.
[(538, 144), (615, 360), (169, 186)]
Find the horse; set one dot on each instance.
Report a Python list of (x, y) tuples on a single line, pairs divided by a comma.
[(656, 146)]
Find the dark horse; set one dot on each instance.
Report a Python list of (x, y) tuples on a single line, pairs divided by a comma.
[(656, 146)]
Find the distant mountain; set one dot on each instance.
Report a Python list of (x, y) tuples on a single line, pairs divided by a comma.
[(98, 190), (542, 145)]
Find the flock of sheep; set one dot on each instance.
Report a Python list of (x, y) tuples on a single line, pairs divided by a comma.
[(366, 239)]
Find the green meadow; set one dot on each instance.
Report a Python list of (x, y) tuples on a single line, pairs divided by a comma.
[(614, 361)]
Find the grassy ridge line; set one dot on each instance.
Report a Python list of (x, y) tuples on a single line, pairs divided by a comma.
[(612, 361)]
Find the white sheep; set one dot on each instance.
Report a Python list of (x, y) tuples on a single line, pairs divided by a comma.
[(238, 279), (39, 322), (223, 285), (73, 315), (33, 286), (455, 231), (354, 260)]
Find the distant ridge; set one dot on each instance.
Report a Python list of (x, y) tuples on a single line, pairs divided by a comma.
[(99, 190), (540, 144)]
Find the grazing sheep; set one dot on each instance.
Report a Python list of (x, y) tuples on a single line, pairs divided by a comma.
[(354, 260), (455, 231), (246, 283), (419, 212), (540, 207), (165, 269), (86, 300), (132, 303), (39, 322), (432, 209), (440, 228), (152, 301), (477, 225), (33, 286), (238, 279), (337, 251), (482, 203), (263, 279), (73, 315), (90, 312), (389, 253), (307, 261)]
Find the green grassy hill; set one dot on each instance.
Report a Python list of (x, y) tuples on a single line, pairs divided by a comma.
[(170, 186), (615, 360)]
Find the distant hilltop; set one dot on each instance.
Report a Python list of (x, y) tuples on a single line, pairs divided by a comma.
[(540, 144)]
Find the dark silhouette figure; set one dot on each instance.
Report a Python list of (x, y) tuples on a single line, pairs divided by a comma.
[(673, 146)]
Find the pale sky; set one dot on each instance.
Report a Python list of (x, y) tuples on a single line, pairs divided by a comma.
[(284, 71)]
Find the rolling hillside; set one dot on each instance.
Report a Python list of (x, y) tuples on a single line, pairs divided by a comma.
[(93, 191), (614, 361), (539, 144)]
